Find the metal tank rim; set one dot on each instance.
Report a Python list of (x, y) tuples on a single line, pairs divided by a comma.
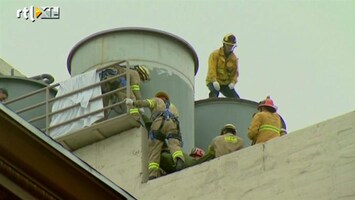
[(20, 79), (24, 79), (133, 29), (218, 100)]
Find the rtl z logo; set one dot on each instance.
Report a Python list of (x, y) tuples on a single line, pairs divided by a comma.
[(33, 13)]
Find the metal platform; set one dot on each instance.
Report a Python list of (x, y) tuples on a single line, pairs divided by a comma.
[(98, 131)]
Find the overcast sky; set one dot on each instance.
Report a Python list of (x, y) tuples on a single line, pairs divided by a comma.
[(300, 52)]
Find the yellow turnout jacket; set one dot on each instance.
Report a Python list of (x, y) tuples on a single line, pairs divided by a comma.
[(225, 144), (221, 69), (264, 126)]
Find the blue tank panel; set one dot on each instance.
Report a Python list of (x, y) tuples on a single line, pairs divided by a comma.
[(17, 87), (212, 114)]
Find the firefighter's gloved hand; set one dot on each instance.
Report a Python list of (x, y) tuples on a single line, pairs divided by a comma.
[(141, 110), (129, 102), (216, 86), (231, 86)]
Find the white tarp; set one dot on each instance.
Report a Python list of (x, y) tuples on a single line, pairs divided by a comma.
[(83, 98)]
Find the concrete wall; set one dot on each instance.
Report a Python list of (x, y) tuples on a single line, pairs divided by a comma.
[(119, 157), (317, 162)]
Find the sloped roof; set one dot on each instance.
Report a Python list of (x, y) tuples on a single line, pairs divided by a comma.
[(7, 69), (32, 164)]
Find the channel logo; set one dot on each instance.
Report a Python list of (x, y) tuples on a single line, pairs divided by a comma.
[(33, 13)]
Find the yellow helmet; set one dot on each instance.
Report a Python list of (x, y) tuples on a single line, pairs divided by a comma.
[(229, 39), (143, 72), (162, 94), (229, 126)]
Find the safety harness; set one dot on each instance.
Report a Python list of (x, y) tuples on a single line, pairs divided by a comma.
[(166, 115)]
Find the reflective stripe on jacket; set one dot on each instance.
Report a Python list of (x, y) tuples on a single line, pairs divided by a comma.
[(224, 144), (157, 107), (269, 128), (264, 126)]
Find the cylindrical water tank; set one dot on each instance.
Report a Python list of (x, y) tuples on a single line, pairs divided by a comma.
[(172, 62), (20, 86), (212, 114)]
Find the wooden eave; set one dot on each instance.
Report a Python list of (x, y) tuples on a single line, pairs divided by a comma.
[(45, 169)]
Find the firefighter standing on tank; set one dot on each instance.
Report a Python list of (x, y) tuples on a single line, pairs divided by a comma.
[(223, 70), (164, 128)]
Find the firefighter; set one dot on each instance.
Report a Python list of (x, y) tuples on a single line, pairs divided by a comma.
[(164, 129), (137, 74), (266, 124), (223, 70), (227, 142), (283, 130), (167, 164)]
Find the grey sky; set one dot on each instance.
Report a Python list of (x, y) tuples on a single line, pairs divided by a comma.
[(299, 52)]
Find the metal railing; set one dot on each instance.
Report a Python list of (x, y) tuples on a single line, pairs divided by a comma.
[(49, 100)]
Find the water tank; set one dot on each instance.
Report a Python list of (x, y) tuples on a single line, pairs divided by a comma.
[(213, 113), (173, 64), (20, 86)]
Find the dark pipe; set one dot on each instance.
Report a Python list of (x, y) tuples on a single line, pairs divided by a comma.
[(44, 77)]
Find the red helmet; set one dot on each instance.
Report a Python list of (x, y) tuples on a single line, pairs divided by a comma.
[(268, 102), (197, 152)]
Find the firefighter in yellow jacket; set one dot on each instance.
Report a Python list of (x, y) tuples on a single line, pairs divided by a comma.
[(283, 130), (223, 70), (165, 127), (227, 142), (136, 74), (265, 124)]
